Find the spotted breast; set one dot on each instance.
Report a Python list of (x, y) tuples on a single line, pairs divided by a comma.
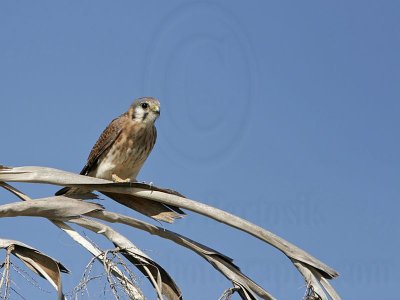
[(128, 153)]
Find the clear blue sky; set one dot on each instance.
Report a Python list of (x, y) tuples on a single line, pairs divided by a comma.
[(285, 113)]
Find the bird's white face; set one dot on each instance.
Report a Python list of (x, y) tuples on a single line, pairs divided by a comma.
[(145, 110)]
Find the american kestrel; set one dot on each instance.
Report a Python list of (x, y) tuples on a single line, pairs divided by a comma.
[(124, 145), (120, 153)]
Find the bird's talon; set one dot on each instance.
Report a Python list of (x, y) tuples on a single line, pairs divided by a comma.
[(118, 179)]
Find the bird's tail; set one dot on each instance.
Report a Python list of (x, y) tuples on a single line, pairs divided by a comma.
[(63, 191), (152, 209), (75, 191)]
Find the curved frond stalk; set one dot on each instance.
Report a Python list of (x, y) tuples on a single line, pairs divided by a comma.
[(38, 262), (219, 261), (130, 288), (320, 271)]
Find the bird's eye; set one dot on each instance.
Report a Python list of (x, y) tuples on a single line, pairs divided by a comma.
[(145, 105)]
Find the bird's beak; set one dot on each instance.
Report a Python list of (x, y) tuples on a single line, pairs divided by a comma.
[(156, 109)]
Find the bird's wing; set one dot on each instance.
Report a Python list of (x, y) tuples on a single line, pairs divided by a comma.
[(106, 139)]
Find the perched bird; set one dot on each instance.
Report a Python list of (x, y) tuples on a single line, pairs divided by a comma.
[(121, 151)]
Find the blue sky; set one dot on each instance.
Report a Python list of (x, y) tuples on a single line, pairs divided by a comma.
[(284, 113)]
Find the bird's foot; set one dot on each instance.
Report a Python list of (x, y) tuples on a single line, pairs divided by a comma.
[(118, 179)]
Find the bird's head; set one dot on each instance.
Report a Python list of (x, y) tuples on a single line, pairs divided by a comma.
[(145, 110)]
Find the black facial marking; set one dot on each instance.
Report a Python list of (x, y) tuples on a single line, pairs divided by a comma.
[(145, 116)]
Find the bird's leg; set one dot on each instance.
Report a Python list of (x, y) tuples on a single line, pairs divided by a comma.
[(116, 178)]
